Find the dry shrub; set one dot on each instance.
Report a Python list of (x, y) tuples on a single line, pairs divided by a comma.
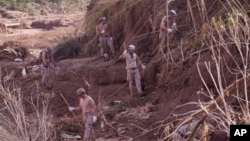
[(71, 48), (12, 50), (228, 104), (17, 125)]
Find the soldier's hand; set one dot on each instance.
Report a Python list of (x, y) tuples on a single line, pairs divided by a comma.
[(94, 119), (174, 25), (71, 108), (124, 52), (170, 30), (143, 66)]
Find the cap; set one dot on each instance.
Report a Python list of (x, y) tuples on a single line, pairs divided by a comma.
[(102, 18), (131, 47), (173, 12), (80, 91)]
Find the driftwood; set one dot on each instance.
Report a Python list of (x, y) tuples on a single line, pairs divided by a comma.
[(12, 24)]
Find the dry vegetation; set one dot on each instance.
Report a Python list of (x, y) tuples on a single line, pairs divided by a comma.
[(227, 38), (16, 124)]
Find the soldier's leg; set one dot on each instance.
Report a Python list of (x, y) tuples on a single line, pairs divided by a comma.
[(110, 43), (88, 127), (162, 44), (92, 131), (138, 81), (101, 45), (130, 81), (45, 75)]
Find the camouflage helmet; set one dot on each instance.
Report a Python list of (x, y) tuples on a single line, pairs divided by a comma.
[(80, 91)]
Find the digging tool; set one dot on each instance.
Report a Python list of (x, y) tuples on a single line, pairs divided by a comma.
[(143, 80), (105, 55), (66, 102)]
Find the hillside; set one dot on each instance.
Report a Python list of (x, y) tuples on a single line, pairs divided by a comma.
[(202, 74)]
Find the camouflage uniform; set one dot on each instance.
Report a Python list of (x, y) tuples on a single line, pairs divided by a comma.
[(46, 66)]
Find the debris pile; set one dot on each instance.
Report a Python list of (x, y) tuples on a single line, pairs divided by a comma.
[(13, 50)]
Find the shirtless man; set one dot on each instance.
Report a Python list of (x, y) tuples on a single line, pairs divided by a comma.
[(104, 37), (48, 64), (89, 112), (167, 27)]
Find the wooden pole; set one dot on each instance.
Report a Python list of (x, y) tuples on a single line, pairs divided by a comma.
[(66, 102)]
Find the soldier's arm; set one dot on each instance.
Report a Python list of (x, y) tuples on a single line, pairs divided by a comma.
[(119, 58), (97, 30), (108, 29), (52, 58), (163, 23), (93, 106), (138, 60), (79, 107)]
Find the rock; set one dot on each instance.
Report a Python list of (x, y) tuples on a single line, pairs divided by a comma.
[(65, 135)]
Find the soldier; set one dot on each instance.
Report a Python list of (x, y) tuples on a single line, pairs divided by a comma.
[(48, 63), (132, 70), (167, 27), (89, 112), (104, 37)]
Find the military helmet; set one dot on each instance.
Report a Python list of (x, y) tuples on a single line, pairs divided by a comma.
[(173, 12), (102, 19), (131, 47), (80, 91)]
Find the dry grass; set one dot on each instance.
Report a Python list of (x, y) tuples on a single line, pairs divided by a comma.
[(16, 124), (224, 111)]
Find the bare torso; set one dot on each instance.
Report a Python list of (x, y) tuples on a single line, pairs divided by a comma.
[(101, 27), (87, 105)]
